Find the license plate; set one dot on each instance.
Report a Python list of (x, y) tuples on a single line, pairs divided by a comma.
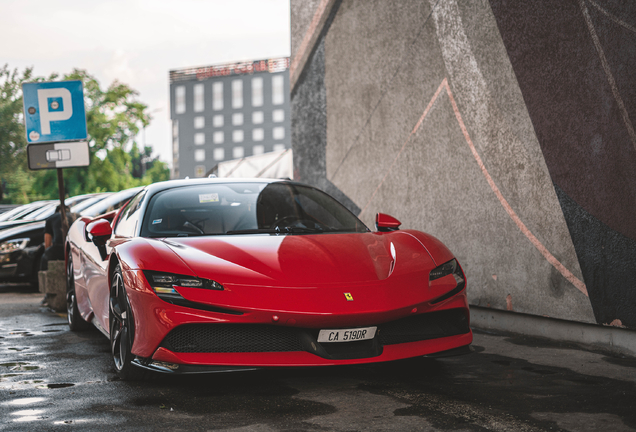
[(346, 335)]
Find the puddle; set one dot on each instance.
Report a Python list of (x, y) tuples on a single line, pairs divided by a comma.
[(17, 349), (50, 331), (25, 368), (28, 412), (9, 375), (31, 382), (20, 366), (26, 401), (55, 385), (20, 333), (55, 324)]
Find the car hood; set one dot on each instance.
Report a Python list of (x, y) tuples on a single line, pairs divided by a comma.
[(303, 260)]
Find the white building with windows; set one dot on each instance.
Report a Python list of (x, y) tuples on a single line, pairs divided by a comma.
[(226, 112)]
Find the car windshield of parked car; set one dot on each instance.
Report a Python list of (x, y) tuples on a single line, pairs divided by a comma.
[(24, 210), (110, 203), (78, 208), (246, 208)]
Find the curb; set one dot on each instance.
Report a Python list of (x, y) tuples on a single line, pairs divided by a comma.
[(606, 338)]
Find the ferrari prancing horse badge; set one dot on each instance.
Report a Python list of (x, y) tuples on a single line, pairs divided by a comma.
[(348, 296)]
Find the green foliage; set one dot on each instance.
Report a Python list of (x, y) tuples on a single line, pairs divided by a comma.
[(114, 117)]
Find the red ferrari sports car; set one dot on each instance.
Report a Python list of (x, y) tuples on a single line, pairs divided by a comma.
[(222, 274)]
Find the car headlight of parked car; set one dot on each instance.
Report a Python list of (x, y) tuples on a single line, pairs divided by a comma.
[(13, 245)]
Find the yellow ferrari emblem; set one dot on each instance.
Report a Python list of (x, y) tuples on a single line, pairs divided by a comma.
[(348, 296)]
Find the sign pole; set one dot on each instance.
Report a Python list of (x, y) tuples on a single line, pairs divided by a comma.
[(60, 186)]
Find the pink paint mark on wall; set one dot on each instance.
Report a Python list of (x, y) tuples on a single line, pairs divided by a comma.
[(579, 284)]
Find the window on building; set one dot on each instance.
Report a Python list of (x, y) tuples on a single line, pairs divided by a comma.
[(175, 138), (278, 115), (279, 132), (257, 91), (199, 122), (179, 100), (199, 102), (237, 119), (237, 93), (238, 152), (199, 138), (258, 149), (219, 154), (279, 147), (199, 170), (278, 90), (217, 120), (218, 137), (257, 117), (217, 96), (199, 155), (237, 136), (258, 134)]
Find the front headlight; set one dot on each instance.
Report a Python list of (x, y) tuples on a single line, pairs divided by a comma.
[(13, 245), (448, 268), (164, 284), (451, 267)]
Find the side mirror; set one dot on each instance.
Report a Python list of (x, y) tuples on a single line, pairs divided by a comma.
[(99, 232), (385, 223)]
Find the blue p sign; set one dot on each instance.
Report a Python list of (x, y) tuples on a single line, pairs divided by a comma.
[(54, 111)]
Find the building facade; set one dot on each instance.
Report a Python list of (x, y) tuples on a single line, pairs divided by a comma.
[(226, 112)]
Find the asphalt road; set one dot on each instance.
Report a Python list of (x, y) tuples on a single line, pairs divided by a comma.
[(52, 379)]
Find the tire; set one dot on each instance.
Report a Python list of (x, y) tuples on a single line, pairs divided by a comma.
[(75, 321), (121, 330)]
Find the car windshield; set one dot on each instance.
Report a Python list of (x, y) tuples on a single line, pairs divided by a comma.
[(246, 208)]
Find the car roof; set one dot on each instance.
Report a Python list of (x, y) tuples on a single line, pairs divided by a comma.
[(22, 210), (171, 184)]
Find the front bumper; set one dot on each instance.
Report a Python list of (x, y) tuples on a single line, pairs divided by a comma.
[(167, 336)]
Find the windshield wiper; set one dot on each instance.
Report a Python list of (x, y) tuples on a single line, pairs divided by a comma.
[(284, 230), (297, 229), (255, 231)]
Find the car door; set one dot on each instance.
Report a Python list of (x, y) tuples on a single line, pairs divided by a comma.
[(97, 286)]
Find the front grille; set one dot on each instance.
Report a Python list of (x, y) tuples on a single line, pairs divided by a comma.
[(427, 326), (232, 338), (238, 338)]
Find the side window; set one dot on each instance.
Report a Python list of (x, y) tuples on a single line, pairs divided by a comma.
[(127, 222)]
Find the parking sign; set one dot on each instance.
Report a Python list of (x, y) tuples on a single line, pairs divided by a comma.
[(54, 111)]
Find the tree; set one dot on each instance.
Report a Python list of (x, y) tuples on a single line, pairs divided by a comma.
[(15, 181), (114, 117)]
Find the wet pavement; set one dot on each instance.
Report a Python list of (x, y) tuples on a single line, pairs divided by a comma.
[(53, 379)]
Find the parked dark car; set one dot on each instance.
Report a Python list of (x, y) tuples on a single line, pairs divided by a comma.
[(21, 246)]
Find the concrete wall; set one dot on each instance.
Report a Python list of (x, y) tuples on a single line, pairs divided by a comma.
[(503, 128)]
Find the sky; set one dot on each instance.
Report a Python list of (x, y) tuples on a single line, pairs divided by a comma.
[(137, 42)]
